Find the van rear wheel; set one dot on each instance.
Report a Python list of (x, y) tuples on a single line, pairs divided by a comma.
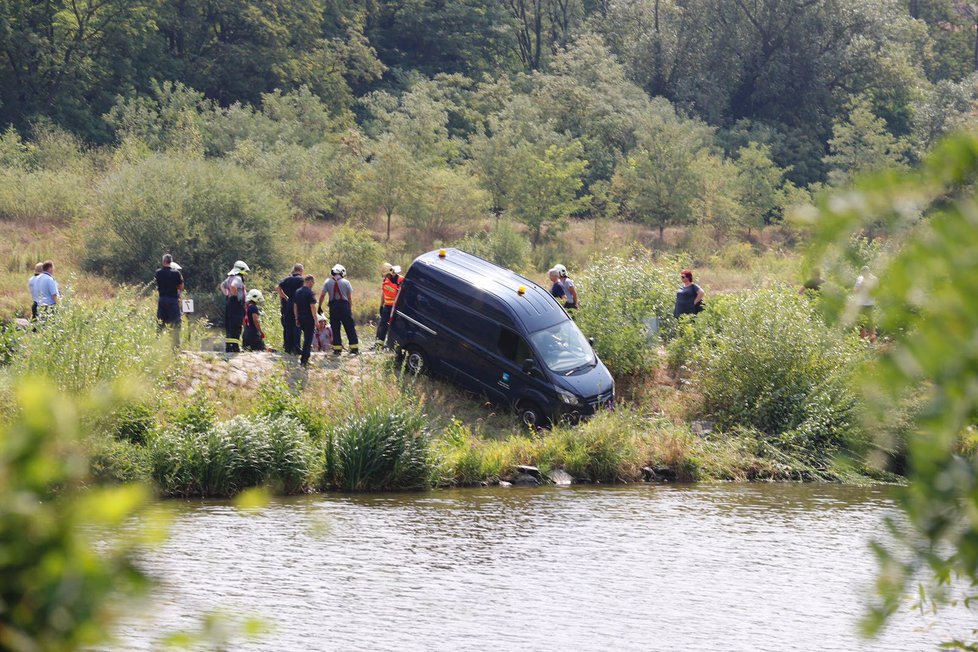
[(415, 361), (530, 415)]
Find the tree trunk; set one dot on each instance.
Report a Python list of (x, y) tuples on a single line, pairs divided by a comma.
[(662, 232), (389, 213)]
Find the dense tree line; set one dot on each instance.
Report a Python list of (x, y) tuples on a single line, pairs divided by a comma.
[(720, 112)]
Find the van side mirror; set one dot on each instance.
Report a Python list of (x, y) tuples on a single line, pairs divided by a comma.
[(529, 367)]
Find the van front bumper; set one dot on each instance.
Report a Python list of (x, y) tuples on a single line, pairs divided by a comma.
[(587, 407)]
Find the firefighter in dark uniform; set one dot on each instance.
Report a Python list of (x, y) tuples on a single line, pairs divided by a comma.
[(253, 335), (390, 285), (286, 291), (169, 283)]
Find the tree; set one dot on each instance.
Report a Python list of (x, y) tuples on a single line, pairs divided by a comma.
[(447, 200), (759, 183), (657, 182), (927, 302), (861, 144), (389, 180), (545, 186), (717, 204)]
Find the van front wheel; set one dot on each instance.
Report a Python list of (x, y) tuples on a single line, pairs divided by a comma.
[(530, 414), (415, 361)]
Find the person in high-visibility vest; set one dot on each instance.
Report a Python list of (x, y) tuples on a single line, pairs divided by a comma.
[(390, 285)]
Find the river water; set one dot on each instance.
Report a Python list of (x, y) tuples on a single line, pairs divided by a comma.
[(701, 567)]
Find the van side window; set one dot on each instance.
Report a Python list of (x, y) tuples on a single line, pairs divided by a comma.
[(513, 347)]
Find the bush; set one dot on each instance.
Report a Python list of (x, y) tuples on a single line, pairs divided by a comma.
[(206, 213), (242, 453), (274, 399), (42, 196), (597, 450), (356, 250), (385, 448), (764, 360), (9, 343), (503, 245), (196, 416), (618, 296), (118, 462), (80, 346), (134, 423)]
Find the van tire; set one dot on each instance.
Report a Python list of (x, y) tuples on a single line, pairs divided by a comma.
[(415, 360), (530, 415)]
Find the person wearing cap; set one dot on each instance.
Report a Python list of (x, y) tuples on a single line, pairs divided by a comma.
[(556, 289), (389, 287), (568, 287), (46, 288), (340, 293), (866, 283), (304, 312), (253, 336), (169, 282), (233, 288), (323, 339), (286, 291), (31, 286)]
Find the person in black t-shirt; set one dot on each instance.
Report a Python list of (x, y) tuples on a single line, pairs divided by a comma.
[(304, 308), (169, 283), (286, 290), (253, 335), (689, 298)]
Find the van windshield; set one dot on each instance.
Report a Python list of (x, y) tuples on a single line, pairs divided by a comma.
[(563, 348)]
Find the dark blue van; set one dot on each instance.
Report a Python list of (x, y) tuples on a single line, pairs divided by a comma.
[(497, 334)]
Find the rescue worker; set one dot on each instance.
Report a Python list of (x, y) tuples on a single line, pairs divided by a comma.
[(169, 282), (570, 291), (31, 283), (253, 336), (389, 287), (340, 293), (286, 291), (233, 288), (304, 311)]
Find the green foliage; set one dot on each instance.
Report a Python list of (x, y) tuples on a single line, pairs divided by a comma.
[(80, 346), (134, 422), (60, 581), (445, 204), (382, 449), (111, 461), (759, 182), (355, 249), (926, 299), (196, 416), (764, 360), (242, 453), (274, 399), (861, 144), (618, 297), (388, 183), (9, 343), (503, 245), (43, 196), (597, 450), (206, 213)]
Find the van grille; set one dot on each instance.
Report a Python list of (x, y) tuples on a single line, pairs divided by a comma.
[(600, 401)]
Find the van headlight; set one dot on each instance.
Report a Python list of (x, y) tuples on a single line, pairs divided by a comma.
[(568, 398)]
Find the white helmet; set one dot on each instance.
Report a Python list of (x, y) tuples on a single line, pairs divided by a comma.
[(338, 270), (396, 269), (255, 295), (175, 267), (561, 270), (240, 267)]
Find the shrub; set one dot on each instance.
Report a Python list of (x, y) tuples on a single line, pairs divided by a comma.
[(597, 450), (766, 361), (356, 250), (134, 423), (275, 399), (118, 462), (503, 245), (196, 416), (618, 297), (9, 343), (382, 449), (206, 213), (244, 452), (82, 345), (43, 195)]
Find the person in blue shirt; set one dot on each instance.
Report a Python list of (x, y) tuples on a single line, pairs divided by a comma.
[(46, 287)]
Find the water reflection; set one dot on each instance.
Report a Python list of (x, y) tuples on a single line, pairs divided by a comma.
[(740, 567)]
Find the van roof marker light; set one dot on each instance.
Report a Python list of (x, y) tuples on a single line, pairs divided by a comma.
[(442, 253), (521, 290)]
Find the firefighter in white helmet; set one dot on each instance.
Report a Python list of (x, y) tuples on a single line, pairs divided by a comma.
[(233, 288), (339, 293), (253, 335)]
